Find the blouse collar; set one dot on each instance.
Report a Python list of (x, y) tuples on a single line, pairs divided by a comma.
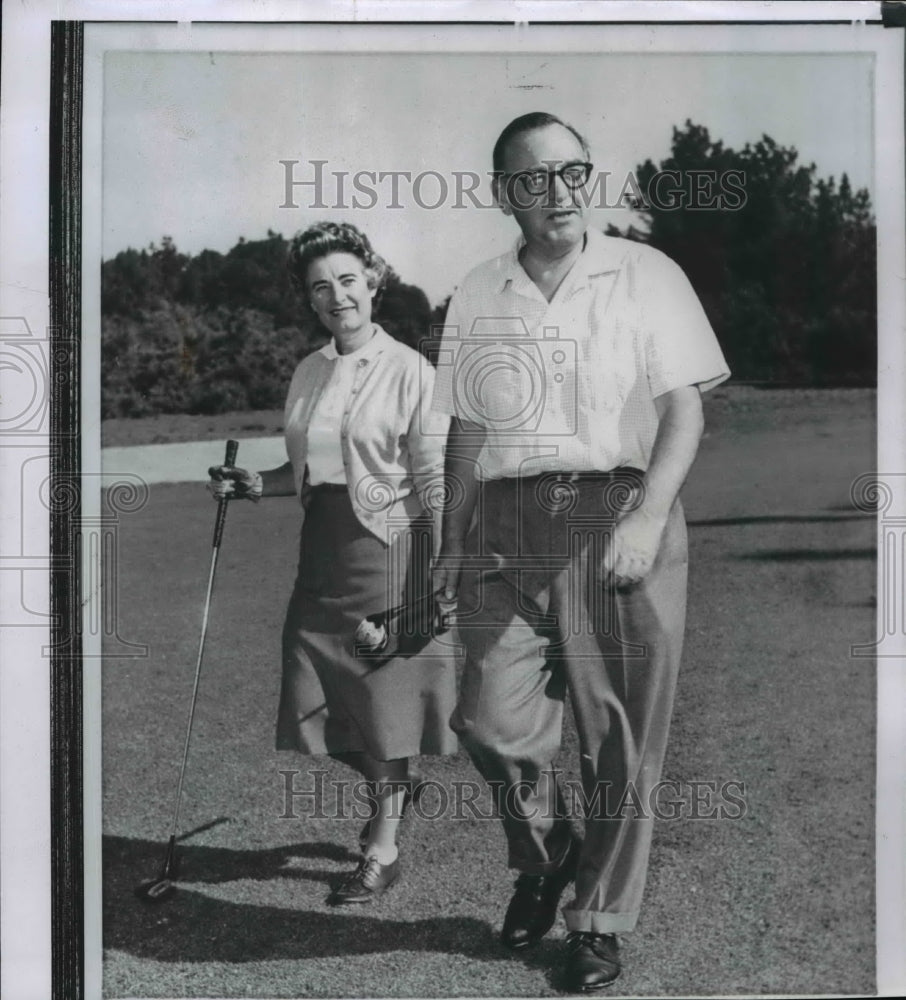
[(370, 349)]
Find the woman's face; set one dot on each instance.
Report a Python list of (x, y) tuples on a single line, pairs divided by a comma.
[(338, 292)]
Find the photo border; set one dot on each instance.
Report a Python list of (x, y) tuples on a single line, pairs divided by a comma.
[(65, 338), (64, 279)]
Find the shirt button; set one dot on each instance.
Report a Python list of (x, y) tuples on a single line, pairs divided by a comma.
[(363, 362)]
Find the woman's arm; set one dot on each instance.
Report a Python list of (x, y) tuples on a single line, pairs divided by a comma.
[(279, 482)]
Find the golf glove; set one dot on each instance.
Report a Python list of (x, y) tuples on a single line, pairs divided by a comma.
[(231, 483)]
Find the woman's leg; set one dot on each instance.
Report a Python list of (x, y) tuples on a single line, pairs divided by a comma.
[(390, 779), (389, 782)]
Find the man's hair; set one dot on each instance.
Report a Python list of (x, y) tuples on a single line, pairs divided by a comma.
[(325, 238), (528, 123)]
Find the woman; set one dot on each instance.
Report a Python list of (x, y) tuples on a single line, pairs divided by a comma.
[(365, 457)]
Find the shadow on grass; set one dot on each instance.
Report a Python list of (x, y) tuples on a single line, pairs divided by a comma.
[(193, 927), (214, 865), (733, 522), (801, 555)]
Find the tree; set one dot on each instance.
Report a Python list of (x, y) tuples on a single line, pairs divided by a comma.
[(217, 332), (404, 311), (783, 261)]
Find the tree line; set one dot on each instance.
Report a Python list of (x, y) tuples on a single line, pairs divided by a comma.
[(786, 275)]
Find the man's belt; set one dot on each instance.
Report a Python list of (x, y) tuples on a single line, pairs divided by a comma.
[(591, 478), (558, 492)]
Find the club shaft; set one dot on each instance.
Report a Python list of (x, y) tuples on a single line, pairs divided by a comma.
[(397, 612), (232, 448), (204, 631)]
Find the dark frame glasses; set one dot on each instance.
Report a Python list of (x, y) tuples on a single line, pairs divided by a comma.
[(537, 182)]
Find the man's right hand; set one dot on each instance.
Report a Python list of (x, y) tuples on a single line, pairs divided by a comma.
[(446, 572), (464, 444)]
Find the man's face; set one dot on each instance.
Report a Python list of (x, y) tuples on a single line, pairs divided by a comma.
[(555, 219)]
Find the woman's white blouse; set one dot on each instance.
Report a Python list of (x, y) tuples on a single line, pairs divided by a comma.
[(325, 453)]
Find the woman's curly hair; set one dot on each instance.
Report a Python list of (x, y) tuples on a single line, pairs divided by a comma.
[(325, 238)]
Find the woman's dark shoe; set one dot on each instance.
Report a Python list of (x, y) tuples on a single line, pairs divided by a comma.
[(592, 961), (533, 908), (415, 787), (370, 880)]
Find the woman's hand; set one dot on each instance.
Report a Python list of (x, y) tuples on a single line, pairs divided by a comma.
[(229, 482)]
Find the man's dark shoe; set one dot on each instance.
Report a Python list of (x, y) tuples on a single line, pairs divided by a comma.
[(533, 908), (592, 961), (370, 880), (414, 789)]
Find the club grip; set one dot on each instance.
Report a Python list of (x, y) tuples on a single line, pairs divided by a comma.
[(229, 458)]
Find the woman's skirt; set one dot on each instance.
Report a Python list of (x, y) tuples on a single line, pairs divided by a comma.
[(332, 700)]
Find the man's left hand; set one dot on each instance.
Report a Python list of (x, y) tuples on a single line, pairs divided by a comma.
[(633, 547)]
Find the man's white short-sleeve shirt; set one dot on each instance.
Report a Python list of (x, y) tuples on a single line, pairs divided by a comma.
[(569, 385)]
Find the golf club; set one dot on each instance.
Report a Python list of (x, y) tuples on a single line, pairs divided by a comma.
[(163, 887), (372, 632)]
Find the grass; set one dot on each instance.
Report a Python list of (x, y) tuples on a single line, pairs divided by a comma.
[(778, 900)]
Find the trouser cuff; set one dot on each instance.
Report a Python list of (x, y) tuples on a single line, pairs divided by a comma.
[(599, 923)]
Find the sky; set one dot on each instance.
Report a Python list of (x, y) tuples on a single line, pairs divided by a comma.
[(192, 141)]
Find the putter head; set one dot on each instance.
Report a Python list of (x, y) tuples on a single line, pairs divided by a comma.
[(157, 890)]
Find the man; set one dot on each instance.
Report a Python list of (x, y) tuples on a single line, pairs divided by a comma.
[(572, 367)]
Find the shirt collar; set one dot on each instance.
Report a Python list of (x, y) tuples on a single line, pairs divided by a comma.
[(601, 255), (370, 349)]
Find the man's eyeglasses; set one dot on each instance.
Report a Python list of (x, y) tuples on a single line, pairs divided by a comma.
[(536, 182)]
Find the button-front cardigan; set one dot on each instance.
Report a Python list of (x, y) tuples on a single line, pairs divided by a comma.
[(392, 442)]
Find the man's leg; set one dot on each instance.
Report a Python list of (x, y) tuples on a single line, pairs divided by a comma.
[(509, 719), (510, 711), (622, 711)]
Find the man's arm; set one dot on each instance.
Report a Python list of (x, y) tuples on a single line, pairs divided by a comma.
[(637, 536), (464, 443), (425, 440)]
